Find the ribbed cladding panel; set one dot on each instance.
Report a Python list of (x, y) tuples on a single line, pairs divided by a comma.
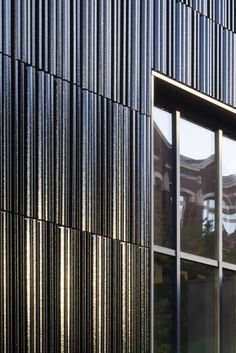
[(183, 53), (96, 44), (194, 49), (63, 290), (162, 34), (5, 133), (221, 11), (74, 162), (72, 157), (108, 161)]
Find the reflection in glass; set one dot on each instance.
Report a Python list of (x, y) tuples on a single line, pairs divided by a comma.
[(164, 277), (199, 311), (197, 193), (162, 133), (229, 199)]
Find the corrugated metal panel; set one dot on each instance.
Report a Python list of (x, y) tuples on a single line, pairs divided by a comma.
[(63, 290), (161, 35), (6, 134), (183, 54), (72, 153), (94, 44), (201, 47), (221, 11), (75, 106)]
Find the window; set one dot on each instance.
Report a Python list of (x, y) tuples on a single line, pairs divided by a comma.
[(194, 222)]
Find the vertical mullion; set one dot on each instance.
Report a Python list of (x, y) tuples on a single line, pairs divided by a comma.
[(218, 144), (176, 123)]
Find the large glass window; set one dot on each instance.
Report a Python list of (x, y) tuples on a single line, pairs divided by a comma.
[(194, 229), (197, 189)]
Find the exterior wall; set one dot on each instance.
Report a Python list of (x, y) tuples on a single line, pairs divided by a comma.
[(75, 107)]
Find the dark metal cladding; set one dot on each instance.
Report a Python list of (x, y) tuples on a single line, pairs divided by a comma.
[(63, 290), (222, 12), (74, 162), (6, 134), (95, 44), (72, 157), (200, 37)]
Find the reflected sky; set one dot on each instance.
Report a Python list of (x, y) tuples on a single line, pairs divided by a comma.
[(197, 189), (162, 119), (193, 135), (228, 151), (229, 186)]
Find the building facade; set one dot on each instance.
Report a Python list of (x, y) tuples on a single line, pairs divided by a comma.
[(77, 167)]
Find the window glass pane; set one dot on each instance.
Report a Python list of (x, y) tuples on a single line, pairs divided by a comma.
[(197, 194), (228, 311), (162, 178), (164, 299), (229, 199), (199, 315)]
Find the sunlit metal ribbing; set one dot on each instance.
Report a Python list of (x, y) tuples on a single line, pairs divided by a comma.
[(41, 292), (62, 291), (28, 289), (71, 285), (4, 283)]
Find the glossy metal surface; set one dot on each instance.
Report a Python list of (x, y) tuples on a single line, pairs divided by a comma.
[(65, 290)]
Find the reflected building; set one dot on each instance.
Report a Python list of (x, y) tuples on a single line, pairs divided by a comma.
[(229, 217), (197, 199), (163, 182)]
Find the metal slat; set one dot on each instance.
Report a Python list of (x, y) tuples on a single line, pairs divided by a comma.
[(6, 26), (101, 51), (107, 49), (43, 29), (66, 40), (53, 36), (144, 59), (59, 36), (31, 141)]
